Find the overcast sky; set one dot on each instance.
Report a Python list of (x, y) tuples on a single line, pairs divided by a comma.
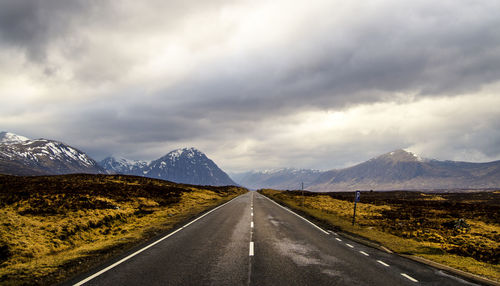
[(255, 84)]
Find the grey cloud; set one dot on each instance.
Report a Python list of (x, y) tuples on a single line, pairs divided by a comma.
[(427, 55), (32, 25), (37, 28), (425, 49)]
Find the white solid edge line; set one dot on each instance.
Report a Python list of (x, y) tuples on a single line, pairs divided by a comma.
[(146, 247), (382, 262), (250, 251), (349, 245), (319, 228), (409, 277), (364, 253)]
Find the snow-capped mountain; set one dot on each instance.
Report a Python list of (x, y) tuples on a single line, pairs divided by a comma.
[(11, 138), (187, 165), (22, 156), (124, 166), (284, 179)]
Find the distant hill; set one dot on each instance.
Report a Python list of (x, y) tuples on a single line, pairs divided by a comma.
[(187, 165), (401, 169), (284, 179), (22, 156)]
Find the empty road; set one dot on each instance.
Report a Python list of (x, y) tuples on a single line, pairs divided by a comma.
[(253, 241)]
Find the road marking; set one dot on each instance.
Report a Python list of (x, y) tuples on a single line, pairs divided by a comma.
[(364, 253), (338, 239), (251, 224), (146, 247), (250, 252), (319, 228), (252, 213), (383, 263), (409, 277), (349, 245)]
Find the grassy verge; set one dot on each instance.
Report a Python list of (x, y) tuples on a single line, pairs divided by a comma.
[(54, 227), (458, 230)]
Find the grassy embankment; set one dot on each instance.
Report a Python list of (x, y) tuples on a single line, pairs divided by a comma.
[(53, 227), (461, 230)]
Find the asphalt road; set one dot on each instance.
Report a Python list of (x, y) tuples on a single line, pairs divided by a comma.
[(253, 241)]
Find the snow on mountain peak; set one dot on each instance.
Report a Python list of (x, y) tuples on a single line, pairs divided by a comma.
[(188, 152), (11, 138), (418, 158), (122, 164), (401, 155)]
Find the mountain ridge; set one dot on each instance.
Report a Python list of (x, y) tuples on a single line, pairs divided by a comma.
[(395, 170), (283, 178), (402, 169), (20, 155), (183, 165)]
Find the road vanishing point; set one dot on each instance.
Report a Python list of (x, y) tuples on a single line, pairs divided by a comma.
[(251, 240)]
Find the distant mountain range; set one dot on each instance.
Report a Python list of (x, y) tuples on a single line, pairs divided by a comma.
[(124, 166), (22, 156), (187, 165), (283, 179), (399, 169)]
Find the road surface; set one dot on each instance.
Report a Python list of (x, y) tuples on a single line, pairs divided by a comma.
[(251, 240)]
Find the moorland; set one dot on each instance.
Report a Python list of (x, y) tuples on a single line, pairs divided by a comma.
[(458, 229), (52, 227)]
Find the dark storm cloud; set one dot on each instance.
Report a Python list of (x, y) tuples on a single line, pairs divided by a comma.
[(388, 51), (38, 28), (32, 25), (426, 54)]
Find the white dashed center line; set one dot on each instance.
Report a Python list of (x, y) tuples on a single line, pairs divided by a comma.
[(338, 239), (364, 253), (409, 277), (383, 263), (251, 224), (250, 253), (349, 245)]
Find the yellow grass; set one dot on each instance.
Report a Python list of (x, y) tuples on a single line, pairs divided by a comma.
[(46, 245), (422, 242)]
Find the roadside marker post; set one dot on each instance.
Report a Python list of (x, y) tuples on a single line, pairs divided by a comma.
[(303, 196), (356, 200)]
